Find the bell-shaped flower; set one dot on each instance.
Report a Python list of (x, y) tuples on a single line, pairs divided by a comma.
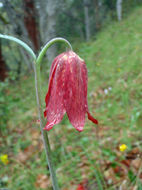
[(67, 91)]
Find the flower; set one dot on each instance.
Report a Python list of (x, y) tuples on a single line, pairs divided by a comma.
[(4, 159), (106, 91), (80, 187), (109, 88), (67, 91), (122, 147)]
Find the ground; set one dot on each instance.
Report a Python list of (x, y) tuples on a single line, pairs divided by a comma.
[(91, 159)]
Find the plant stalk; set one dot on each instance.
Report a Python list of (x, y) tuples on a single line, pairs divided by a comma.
[(39, 103), (47, 45), (44, 133), (20, 42), (36, 65)]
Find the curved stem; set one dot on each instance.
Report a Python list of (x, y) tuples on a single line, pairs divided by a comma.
[(44, 133), (24, 45), (45, 48), (37, 86), (42, 124)]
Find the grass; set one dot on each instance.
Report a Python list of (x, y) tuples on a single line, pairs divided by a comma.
[(114, 62)]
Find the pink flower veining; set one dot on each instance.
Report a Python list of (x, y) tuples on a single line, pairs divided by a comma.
[(67, 91)]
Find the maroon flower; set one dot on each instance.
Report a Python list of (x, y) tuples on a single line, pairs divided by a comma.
[(67, 91)]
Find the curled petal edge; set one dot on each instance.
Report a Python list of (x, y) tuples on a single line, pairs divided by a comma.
[(49, 126), (90, 117)]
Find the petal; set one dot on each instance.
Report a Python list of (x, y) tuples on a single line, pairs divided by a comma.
[(85, 80), (51, 75), (54, 99), (90, 117), (54, 64), (50, 87), (49, 125), (75, 96)]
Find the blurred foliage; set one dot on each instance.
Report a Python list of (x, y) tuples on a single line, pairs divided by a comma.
[(91, 158), (70, 24), (7, 101)]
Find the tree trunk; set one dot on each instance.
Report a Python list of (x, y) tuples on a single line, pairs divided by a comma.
[(30, 22), (48, 12), (119, 9), (87, 20), (97, 15), (3, 67), (18, 27)]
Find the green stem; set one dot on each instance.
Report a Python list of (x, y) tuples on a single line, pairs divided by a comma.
[(51, 42), (44, 133), (38, 95), (24, 45), (39, 102)]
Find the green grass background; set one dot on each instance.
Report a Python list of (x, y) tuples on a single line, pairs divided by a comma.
[(114, 61)]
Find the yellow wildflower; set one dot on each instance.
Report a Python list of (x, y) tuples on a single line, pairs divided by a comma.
[(122, 147), (98, 64), (118, 69), (4, 159)]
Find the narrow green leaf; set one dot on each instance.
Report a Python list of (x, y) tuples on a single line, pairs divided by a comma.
[(19, 42)]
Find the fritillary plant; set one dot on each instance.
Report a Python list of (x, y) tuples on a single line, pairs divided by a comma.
[(67, 93)]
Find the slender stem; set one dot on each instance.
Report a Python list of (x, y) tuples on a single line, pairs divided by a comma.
[(44, 133), (38, 87), (45, 48), (38, 95)]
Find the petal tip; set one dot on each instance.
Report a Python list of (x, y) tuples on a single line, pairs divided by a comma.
[(96, 122), (90, 117), (48, 126), (47, 129), (80, 129), (45, 113)]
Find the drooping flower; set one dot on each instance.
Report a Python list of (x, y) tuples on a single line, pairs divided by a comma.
[(67, 91)]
